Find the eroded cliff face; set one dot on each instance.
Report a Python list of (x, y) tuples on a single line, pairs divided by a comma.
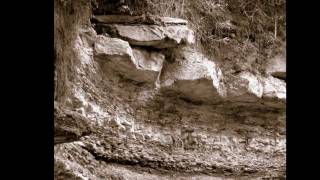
[(135, 98)]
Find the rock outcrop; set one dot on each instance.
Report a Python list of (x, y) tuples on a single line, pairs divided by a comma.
[(136, 64), (125, 19), (194, 76), (163, 32), (152, 35), (264, 91), (135, 100)]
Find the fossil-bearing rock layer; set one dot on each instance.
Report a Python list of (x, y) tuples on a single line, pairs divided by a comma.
[(134, 99)]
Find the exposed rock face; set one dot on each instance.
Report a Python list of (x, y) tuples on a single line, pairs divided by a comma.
[(245, 87), (265, 91), (158, 32), (137, 64), (149, 60), (155, 36), (113, 49), (125, 19), (194, 76), (140, 103), (69, 126)]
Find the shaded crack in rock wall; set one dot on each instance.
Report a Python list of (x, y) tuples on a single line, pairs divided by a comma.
[(149, 106)]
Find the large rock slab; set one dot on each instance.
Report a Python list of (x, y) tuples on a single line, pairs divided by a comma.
[(194, 76), (135, 64), (148, 60), (249, 88), (113, 49), (151, 35), (125, 19), (274, 92), (244, 87)]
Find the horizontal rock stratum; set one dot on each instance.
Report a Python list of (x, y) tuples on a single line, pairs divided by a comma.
[(200, 79), (125, 19), (136, 64), (152, 35), (158, 32), (191, 74)]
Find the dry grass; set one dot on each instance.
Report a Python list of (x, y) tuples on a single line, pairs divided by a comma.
[(240, 34)]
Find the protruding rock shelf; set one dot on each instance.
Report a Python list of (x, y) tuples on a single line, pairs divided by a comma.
[(113, 48), (148, 60), (158, 32), (137, 64), (194, 76), (274, 92), (249, 88), (191, 75), (244, 87), (124, 19), (151, 35)]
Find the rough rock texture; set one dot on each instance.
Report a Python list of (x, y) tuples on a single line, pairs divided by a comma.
[(125, 19), (137, 64), (266, 91), (152, 35), (194, 76), (128, 110)]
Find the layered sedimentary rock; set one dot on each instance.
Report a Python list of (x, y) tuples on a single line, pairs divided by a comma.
[(198, 122), (198, 79), (125, 19), (263, 91), (158, 32), (136, 64), (194, 76), (153, 35)]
